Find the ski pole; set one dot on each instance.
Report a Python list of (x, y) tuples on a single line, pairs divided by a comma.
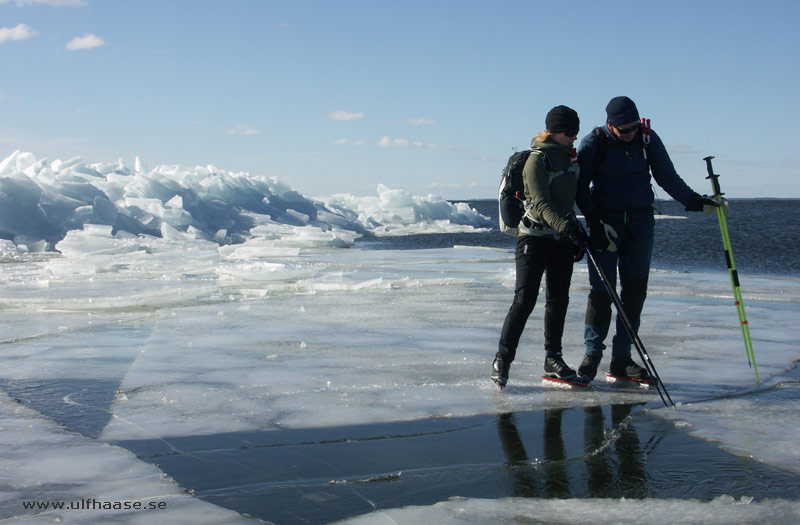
[(637, 342), (737, 291)]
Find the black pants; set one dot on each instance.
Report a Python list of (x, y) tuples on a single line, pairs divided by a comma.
[(535, 257)]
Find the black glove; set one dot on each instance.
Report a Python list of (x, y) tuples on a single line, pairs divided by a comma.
[(574, 234), (603, 236), (697, 201)]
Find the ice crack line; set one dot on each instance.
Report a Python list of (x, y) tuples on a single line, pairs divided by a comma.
[(790, 376), (68, 399)]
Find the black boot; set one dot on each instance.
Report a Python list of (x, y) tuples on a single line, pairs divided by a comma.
[(625, 367), (500, 370), (588, 368), (554, 366)]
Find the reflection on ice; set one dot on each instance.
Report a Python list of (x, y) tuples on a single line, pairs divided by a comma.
[(607, 453)]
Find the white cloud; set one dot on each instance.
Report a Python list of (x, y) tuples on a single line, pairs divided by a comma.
[(352, 142), (54, 3), (450, 186), (18, 32), (387, 142), (87, 41), (242, 129), (344, 115), (421, 121)]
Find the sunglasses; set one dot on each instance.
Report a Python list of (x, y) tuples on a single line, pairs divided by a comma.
[(625, 131)]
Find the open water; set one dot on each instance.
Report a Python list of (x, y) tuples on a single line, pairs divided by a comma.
[(764, 233)]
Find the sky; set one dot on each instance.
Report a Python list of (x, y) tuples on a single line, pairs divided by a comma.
[(427, 96)]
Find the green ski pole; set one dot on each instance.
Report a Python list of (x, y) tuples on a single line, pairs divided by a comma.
[(737, 291)]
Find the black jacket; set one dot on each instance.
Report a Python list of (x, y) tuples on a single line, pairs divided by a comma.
[(621, 181)]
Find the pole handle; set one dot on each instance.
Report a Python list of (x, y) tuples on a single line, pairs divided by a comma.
[(714, 178)]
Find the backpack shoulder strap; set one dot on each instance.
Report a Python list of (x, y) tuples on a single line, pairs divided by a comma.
[(601, 142), (543, 155), (646, 139)]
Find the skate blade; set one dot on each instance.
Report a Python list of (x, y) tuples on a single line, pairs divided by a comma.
[(631, 381), (573, 381)]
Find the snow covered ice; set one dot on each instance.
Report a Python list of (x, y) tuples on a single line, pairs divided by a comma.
[(162, 305)]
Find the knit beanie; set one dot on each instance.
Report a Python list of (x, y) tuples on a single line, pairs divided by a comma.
[(621, 110), (562, 118)]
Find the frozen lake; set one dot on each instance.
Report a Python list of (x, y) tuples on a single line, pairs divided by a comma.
[(243, 361), (254, 386)]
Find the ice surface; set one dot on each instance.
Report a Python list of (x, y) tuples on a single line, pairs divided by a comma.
[(722, 511), (153, 338), (42, 462), (196, 302)]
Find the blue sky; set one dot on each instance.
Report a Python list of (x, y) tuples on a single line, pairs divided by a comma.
[(428, 96)]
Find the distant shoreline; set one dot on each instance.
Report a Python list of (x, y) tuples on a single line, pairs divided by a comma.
[(658, 200)]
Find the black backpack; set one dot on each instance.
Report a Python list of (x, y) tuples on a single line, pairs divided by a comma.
[(511, 194)]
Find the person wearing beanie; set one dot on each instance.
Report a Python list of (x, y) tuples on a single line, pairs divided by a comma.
[(548, 243), (615, 195)]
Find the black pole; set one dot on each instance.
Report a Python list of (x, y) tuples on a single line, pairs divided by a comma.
[(637, 342)]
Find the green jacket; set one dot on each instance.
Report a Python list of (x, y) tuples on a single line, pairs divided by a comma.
[(549, 194)]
